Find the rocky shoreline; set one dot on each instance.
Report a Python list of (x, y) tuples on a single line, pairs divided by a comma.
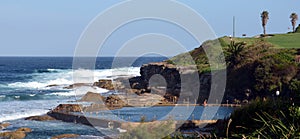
[(160, 84)]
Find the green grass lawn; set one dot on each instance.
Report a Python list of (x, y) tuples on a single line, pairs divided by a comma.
[(291, 40)]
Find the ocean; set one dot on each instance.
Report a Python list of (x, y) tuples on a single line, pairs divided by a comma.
[(34, 85)]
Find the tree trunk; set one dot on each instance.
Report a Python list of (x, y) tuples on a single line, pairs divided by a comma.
[(293, 28), (264, 30)]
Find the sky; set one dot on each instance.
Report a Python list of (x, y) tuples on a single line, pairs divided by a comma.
[(54, 27)]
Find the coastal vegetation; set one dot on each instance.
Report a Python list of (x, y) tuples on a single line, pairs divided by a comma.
[(265, 118), (264, 72), (150, 130), (261, 65)]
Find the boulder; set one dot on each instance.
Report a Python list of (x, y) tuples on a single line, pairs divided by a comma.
[(18, 134), (114, 100), (13, 135), (40, 118), (65, 136), (4, 125), (68, 108), (24, 129), (104, 83), (92, 97)]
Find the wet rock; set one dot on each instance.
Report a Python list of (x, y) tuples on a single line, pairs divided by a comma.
[(4, 125), (52, 85), (13, 135), (18, 134), (65, 108), (40, 118), (65, 136), (114, 100), (104, 83), (24, 129)]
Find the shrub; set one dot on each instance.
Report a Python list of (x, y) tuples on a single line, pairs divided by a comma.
[(271, 118), (149, 131)]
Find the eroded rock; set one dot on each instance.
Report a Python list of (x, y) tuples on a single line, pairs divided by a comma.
[(104, 83), (4, 125), (40, 118), (114, 100), (65, 136), (24, 129), (168, 80), (18, 134), (68, 108), (13, 135)]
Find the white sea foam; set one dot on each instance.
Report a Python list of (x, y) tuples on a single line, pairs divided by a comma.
[(71, 93), (91, 137), (40, 85), (11, 110), (67, 77), (80, 91), (53, 70), (88, 76), (19, 115)]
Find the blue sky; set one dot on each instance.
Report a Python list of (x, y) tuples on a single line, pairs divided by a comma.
[(53, 27)]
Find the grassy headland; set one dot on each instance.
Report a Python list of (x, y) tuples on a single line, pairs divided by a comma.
[(257, 67)]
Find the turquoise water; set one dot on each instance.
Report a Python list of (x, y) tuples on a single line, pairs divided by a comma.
[(134, 114)]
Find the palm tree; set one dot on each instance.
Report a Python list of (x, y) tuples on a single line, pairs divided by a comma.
[(234, 51), (264, 18), (294, 18)]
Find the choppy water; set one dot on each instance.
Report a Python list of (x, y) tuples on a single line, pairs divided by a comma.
[(24, 81), (24, 92)]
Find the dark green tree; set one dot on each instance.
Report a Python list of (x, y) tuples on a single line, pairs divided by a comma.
[(234, 52)]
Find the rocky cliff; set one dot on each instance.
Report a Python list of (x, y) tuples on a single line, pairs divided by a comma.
[(173, 82)]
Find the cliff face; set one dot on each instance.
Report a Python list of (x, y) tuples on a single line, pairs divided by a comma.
[(161, 75), (172, 81)]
